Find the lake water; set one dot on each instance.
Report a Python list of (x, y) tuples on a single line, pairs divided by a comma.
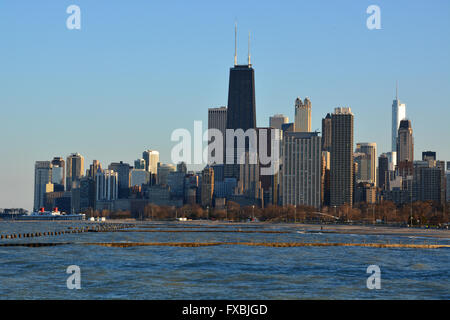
[(217, 272)]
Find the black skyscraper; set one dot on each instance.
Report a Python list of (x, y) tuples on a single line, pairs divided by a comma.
[(241, 98), (241, 112)]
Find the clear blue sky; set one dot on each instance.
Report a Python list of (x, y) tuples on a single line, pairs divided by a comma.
[(137, 70)]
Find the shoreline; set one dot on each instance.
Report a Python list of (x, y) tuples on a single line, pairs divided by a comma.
[(302, 227)]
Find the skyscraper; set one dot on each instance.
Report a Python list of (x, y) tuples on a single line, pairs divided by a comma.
[(341, 170), (151, 158), (398, 114), (277, 120), (428, 155), (383, 171), (405, 142), (370, 149), (94, 168), (42, 183), (107, 187), (75, 169), (326, 133), (207, 188), (123, 174), (241, 112), (302, 115), (217, 119), (58, 174), (302, 162)]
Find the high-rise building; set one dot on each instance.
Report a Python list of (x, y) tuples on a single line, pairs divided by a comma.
[(405, 142), (302, 115), (151, 158), (370, 149), (207, 188), (277, 120), (94, 168), (302, 162), (217, 119), (181, 167), (58, 174), (123, 171), (75, 169), (139, 164), (138, 177), (448, 185), (398, 114), (428, 155), (326, 133), (42, 183), (341, 170), (383, 171), (241, 112), (429, 182), (163, 172), (107, 186)]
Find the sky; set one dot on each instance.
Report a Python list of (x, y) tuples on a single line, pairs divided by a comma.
[(137, 70)]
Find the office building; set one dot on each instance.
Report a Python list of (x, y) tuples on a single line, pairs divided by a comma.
[(123, 172), (341, 169), (75, 169), (369, 173), (138, 177), (428, 156), (405, 142), (163, 172), (277, 120), (140, 164), (42, 183), (326, 133), (383, 171), (107, 185), (58, 174), (241, 113), (302, 115), (207, 187), (302, 162), (151, 158)]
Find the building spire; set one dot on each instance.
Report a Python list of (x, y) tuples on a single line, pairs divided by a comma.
[(396, 90), (235, 44), (249, 63)]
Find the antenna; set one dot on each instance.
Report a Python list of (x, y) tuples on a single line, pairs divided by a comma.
[(235, 44), (249, 63), (396, 90)]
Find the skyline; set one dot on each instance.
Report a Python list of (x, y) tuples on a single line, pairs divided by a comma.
[(29, 141)]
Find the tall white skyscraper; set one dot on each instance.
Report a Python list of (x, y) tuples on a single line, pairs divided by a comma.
[(302, 115), (398, 114)]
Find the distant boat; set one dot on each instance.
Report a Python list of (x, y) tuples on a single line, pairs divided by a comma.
[(55, 214)]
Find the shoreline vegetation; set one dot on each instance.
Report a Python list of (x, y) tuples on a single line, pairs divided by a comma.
[(420, 213)]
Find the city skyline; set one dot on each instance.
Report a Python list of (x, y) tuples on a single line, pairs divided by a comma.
[(20, 172)]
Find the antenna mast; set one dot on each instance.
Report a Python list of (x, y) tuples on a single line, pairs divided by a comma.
[(235, 44), (249, 63)]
